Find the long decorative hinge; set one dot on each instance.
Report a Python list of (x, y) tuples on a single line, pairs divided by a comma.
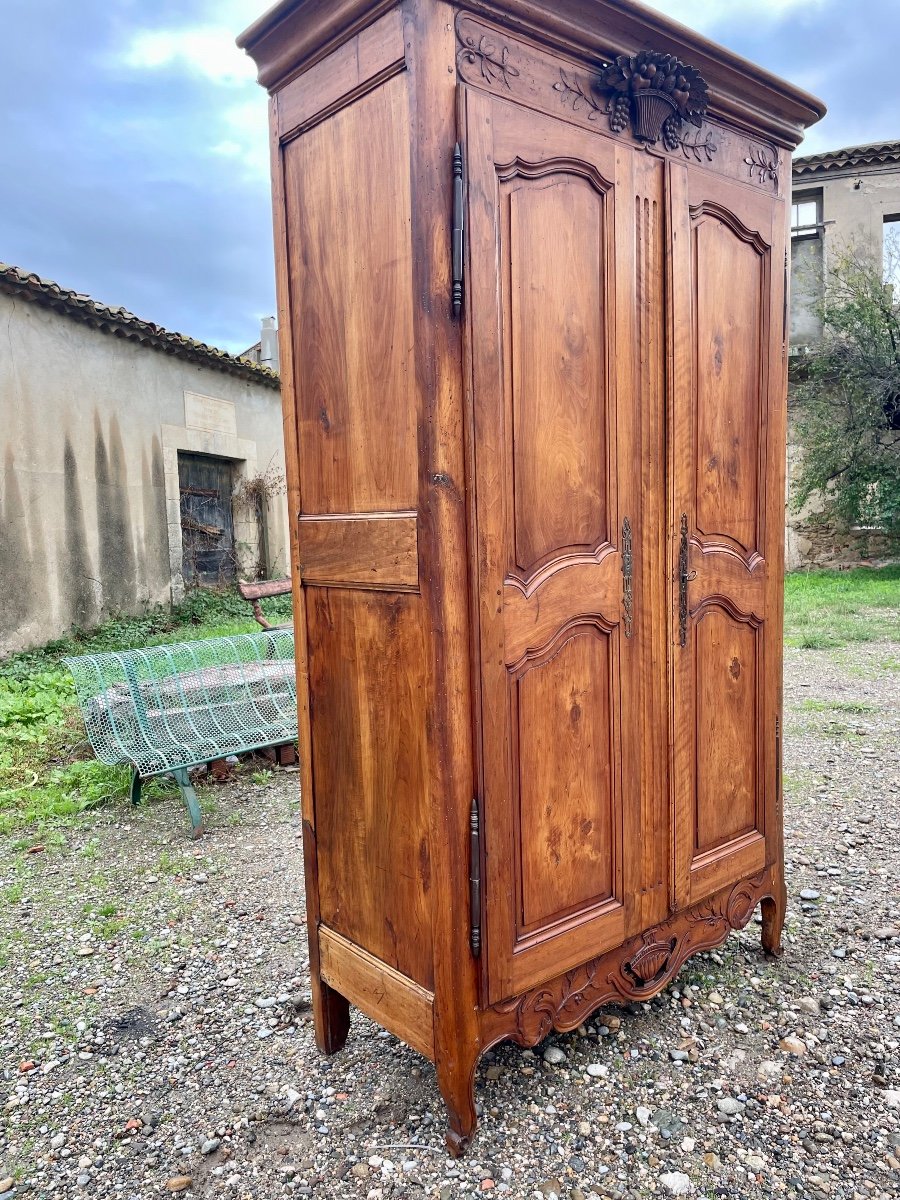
[(459, 230), (627, 577), (684, 578), (475, 879)]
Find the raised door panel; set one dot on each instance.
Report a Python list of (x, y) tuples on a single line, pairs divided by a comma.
[(567, 787), (726, 529), (556, 476), (348, 197), (726, 685), (554, 264), (732, 288)]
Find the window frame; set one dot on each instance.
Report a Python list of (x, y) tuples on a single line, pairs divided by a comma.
[(807, 229)]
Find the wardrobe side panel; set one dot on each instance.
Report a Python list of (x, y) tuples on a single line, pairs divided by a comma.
[(349, 210)]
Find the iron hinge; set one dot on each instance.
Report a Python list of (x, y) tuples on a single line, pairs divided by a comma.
[(459, 231), (475, 879), (684, 578)]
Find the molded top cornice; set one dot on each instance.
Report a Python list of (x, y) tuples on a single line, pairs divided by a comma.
[(295, 33)]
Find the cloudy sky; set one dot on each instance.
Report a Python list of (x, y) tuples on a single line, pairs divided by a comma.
[(133, 156)]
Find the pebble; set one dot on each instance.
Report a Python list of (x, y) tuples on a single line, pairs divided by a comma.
[(6, 1185), (210, 1146), (179, 1183), (793, 1045), (809, 894), (809, 1004), (57, 1141), (730, 1107), (554, 1055), (597, 1070), (677, 1183)]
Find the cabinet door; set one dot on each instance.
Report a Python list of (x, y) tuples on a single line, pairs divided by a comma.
[(727, 448), (556, 467)]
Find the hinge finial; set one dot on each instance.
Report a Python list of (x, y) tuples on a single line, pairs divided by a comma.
[(475, 879), (458, 231)]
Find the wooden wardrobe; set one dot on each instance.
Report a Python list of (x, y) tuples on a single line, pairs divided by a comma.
[(531, 285)]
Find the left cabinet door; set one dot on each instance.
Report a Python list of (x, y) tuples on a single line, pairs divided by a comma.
[(556, 457)]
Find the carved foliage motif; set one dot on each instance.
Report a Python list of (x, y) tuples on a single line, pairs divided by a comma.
[(637, 971), (763, 164), (492, 61), (571, 89)]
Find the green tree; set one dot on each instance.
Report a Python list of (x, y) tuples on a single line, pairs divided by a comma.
[(848, 393)]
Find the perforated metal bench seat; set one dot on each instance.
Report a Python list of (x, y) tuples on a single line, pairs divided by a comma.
[(164, 709)]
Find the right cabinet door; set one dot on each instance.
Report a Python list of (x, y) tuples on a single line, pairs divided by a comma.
[(725, 527)]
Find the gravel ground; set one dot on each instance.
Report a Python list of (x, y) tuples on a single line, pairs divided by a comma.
[(155, 1032)]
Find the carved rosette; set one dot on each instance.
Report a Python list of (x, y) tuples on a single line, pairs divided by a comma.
[(636, 971)]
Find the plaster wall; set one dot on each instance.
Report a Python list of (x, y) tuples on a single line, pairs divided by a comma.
[(90, 428), (854, 209), (855, 206)]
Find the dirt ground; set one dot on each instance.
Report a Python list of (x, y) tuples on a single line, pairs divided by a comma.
[(155, 1025)]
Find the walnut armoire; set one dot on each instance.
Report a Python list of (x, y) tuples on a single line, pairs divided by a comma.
[(531, 288)]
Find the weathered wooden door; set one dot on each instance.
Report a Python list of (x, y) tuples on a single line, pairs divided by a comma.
[(557, 514), (207, 525), (727, 474)]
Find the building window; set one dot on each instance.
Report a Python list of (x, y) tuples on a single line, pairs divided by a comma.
[(806, 216), (891, 254)]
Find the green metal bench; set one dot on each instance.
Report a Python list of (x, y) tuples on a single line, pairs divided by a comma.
[(165, 709)]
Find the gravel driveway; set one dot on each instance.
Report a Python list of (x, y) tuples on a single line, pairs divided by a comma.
[(156, 1034)]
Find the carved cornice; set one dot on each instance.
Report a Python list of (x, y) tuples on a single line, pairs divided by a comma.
[(295, 33), (636, 971), (738, 90), (674, 93)]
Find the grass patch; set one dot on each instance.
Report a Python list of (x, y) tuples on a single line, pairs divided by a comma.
[(48, 776), (824, 610), (852, 707)]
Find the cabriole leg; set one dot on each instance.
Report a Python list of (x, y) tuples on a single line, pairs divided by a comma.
[(456, 1080), (773, 912)]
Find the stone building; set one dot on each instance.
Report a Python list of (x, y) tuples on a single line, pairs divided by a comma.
[(839, 197), (133, 460)]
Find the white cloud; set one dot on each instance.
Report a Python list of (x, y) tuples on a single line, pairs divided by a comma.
[(705, 14), (245, 131), (206, 50), (207, 54)]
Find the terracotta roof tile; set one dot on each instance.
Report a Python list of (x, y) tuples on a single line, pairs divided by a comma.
[(122, 323), (873, 154)]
